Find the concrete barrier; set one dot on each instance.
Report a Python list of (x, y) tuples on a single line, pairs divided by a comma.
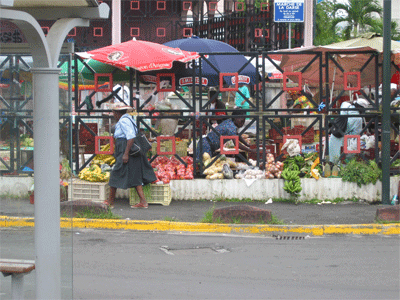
[(15, 186), (261, 189)]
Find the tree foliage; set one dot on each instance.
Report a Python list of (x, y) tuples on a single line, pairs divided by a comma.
[(356, 15), (377, 27), (325, 31)]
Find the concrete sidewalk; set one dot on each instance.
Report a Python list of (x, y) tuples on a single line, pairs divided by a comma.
[(194, 211), (313, 219)]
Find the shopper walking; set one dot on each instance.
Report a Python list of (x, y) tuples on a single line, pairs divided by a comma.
[(128, 171)]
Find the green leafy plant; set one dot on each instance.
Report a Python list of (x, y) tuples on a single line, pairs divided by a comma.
[(208, 216), (89, 214), (361, 172)]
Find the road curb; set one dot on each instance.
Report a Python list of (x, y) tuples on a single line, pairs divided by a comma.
[(138, 225)]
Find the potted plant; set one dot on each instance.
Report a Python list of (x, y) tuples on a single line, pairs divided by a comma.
[(63, 192)]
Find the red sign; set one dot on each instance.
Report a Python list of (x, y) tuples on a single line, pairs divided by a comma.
[(189, 81)]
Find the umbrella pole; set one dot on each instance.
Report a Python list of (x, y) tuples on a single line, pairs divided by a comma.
[(190, 98), (333, 86)]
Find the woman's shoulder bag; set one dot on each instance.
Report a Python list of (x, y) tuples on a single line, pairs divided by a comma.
[(141, 145), (339, 126)]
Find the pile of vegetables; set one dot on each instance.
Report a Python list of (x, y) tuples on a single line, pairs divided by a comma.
[(252, 173), (101, 159), (292, 181), (273, 169), (361, 172), (217, 167), (306, 165), (94, 174), (167, 169), (65, 172), (25, 140), (99, 170)]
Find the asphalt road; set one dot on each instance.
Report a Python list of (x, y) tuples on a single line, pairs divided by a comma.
[(105, 264)]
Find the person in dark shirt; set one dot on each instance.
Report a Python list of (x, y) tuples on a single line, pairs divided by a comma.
[(229, 127), (216, 104)]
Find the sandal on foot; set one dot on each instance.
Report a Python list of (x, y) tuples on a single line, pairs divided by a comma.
[(140, 205), (111, 206)]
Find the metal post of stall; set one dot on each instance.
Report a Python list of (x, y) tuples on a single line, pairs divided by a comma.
[(387, 17)]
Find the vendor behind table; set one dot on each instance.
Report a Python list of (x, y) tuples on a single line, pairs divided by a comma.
[(229, 127), (216, 104), (300, 101)]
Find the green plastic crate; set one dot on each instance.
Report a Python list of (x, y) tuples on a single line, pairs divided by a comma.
[(159, 194)]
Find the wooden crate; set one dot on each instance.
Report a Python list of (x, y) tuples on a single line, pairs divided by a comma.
[(86, 190), (160, 194)]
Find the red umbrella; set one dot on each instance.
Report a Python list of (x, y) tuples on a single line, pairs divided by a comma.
[(140, 55)]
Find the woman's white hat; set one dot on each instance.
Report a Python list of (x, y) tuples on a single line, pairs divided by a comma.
[(121, 106)]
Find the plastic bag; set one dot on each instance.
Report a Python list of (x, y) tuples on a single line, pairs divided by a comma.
[(292, 147), (227, 171)]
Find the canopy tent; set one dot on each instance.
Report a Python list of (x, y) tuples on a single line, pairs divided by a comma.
[(373, 40), (342, 62)]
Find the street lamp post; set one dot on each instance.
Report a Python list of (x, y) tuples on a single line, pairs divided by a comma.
[(387, 18)]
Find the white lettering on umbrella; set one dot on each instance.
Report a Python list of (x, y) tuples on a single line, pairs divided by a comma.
[(241, 79), (189, 81)]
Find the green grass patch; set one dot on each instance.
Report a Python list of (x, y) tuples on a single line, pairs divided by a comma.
[(336, 200), (284, 200), (89, 214), (171, 219), (275, 221), (208, 218), (14, 196), (379, 221)]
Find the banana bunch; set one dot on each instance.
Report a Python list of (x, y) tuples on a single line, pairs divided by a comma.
[(94, 174), (292, 187), (292, 181), (100, 159)]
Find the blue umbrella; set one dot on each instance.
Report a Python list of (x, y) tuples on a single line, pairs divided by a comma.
[(219, 63)]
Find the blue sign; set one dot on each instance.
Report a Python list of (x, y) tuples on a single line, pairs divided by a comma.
[(319, 1), (289, 11)]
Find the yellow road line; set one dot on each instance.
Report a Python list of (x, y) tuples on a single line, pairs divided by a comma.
[(315, 230)]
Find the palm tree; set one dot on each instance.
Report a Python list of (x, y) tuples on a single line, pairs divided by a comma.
[(377, 27), (325, 33), (358, 15)]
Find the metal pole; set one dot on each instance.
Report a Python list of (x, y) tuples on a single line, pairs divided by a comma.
[(387, 17), (47, 186), (290, 36), (116, 22), (308, 22)]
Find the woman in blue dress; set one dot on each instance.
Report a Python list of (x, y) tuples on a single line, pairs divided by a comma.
[(128, 171)]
